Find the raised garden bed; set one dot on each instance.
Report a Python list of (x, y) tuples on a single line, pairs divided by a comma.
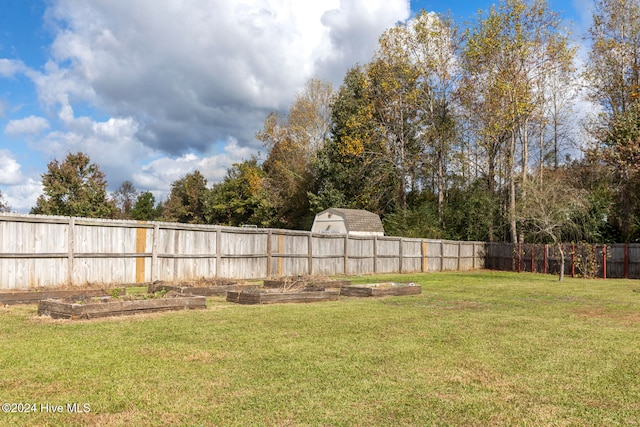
[(34, 296), (275, 296), (305, 282), (105, 307), (203, 288), (381, 289)]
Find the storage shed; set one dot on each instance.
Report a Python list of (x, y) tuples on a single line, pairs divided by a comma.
[(348, 221)]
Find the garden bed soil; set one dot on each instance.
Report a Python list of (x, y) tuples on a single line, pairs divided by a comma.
[(34, 296), (381, 289), (305, 282), (275, 296), (204, 287), (105, 307)]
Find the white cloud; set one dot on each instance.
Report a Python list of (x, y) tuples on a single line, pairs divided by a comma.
[(111, 144), (11, 67), (22, 197), (10, 173), (209, 70), (31, 125), (157, 175)]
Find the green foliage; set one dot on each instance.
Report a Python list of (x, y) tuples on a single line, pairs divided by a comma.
[(115, 293), (186, 202), (419, 220), (146, 208), (241, 198), (75, 187), (471, 212)]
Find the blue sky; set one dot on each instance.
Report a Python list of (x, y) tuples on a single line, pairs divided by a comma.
[(151, 93)]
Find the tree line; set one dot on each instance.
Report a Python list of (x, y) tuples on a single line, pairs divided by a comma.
[(448, 132)]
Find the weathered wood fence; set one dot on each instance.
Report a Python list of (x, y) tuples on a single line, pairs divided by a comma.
[(49, 251), (618, 260)]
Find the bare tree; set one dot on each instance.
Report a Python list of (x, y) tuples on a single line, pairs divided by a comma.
[(551, 210)]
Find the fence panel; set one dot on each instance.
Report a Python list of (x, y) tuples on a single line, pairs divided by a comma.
[(387, 256), (328, 254), (243, 253), (412, 255), (360, 255)]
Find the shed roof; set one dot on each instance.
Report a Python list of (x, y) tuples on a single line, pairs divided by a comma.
[(358, 219)]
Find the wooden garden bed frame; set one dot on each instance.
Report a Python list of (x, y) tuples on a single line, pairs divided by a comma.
[(381, 290), (30, 297), (58, 309), (267, 297)]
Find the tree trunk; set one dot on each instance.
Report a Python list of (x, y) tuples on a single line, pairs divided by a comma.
[(512, 189), (491, 185), (559, 246), (440, 186)]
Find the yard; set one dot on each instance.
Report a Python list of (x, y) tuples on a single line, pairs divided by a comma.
[(477, 348)]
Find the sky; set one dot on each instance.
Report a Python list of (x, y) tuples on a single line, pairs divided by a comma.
[(152, 91)]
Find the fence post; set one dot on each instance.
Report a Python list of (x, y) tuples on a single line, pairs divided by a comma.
[(218, 251), (269, 254), (400, 254), (441, 255), (626, 261), (474, 255), (519, 256), (604, 261), (425, 266), (375, 253), (545, 261), (70, 243), (141, 248), (310, 254), (346, 253), (154, 253), (280, 249), (533, 265), (573, 259)]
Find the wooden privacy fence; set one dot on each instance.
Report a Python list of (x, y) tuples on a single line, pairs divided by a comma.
[(617, 260), (49, 251)]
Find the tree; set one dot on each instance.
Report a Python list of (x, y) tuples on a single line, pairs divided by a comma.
[(551, 211), (186, 202), (293, 141), (124, 198), (613, 68), (145, 208), (349, 156), (241, 198), (4, 207), (434, 48), (507, 56), (75, 187)]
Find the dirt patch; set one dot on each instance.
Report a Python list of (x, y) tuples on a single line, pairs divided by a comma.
[(625, 318)]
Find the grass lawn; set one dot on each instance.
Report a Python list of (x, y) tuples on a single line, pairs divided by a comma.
[(479, 348)]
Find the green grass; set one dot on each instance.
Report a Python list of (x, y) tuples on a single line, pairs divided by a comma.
[(478, 348)]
